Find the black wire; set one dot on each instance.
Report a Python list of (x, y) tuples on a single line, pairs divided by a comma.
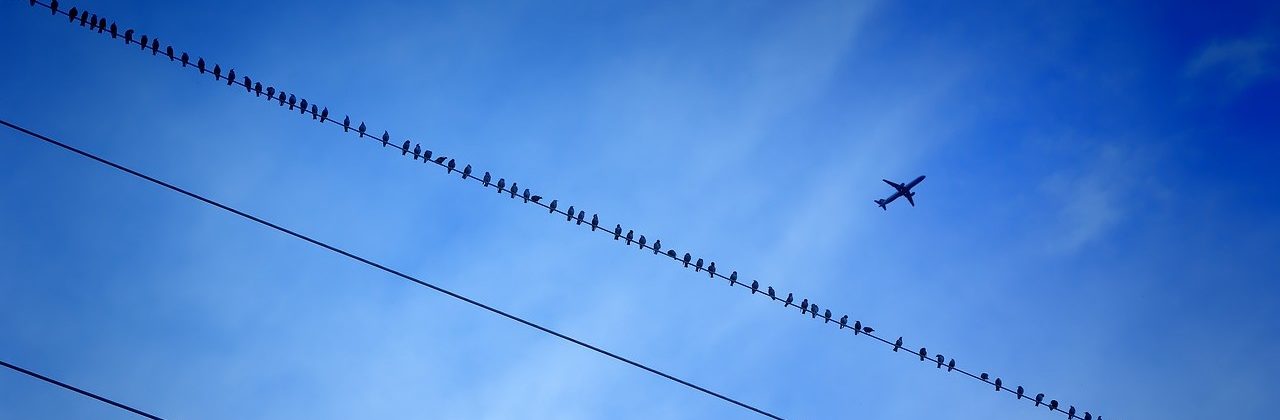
[(381, 267), (78, 390), (559, 211)]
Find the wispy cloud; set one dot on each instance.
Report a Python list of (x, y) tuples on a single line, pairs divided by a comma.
[(1233, 65)]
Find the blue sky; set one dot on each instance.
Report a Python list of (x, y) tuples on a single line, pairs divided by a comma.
[(1099, 222)]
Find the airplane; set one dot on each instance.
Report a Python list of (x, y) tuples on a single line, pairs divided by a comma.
[(902, 191)]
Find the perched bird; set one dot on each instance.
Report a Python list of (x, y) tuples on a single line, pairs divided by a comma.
[(857, 327), (231, 77), (826, 316), (595, 222), (294, 99), (687, 257), (999, 384), (535, 198), (1088, 416), (93, 21), (485, 180), (868, 330), (923, 353), (200, 65), (1019, 392), (1071, 412), (733, 278), (142, 41), (569, 214), (53, 7), (361, 129), (155, 46), (404, 149), (755, 285), (271, 91), (502, 183), (642, 241), (72, 14), (657, 246), (466, 172), (185, 59), (448, 169), (697, 267), (417, 151), (804, 305), (772, 294), (1053, 405), (711, 270), (630, 234), (940, 359), (217, 72), (113, 30), (102, 25), (257, 89), (346, 123), (844, 322), (84, 17), (951, 365), (984, 377), (580, 215), (169, 52), (1039, 398), (302, 106), (813, 310), (324, 114), (525, 195), (897, 344), (671, 253), (128, 33), (514, 188), (787, 302), (440, 161)]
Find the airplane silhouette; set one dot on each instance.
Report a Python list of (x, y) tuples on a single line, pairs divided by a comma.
[(902, 191)]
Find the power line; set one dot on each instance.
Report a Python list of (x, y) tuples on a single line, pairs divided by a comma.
[(78, 390), (382, 267), (100, 25)]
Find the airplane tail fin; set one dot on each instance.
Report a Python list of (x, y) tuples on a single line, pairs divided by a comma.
[(881, 204)]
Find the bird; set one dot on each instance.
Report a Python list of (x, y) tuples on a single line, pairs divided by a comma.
[(940, 359), (404, 150), (595, 222), (897, 344), (73, 13), (923, 353), (294, 100), (671, 253), (1071, 412), (502, 182), (113, 30), (868, 330), (857, 327), (1088, 416), (440, 161), (787, 302), (535, 198), (281, 99), (1053, 405), (217, 72), (386, 137), (580, 216), (617, 231), (53, 7), (302, 106), (231, 77), (417, 151), (569, 214), (93, 21), (185, 59), (630, 235), (984, 377), (102, 25), (1039, 398), (642, 241), (324, 114), (1019, 392), (128, 33), (361, 129), (271, 92), (155, 46), (657, 246), (448, 169), (813, 310), (426, 155), (804, 305), (826, 316), (755, 285), (169, 52), (555, 203), (485, 180), (697, 267), (686, 259), (200, 65), (466, 172), (526, 195), (514, 188), (733, 278), (346, 123), (951, 365), (142, 41), (84, 17), (844, 321), (711, 270), (999, 384), (257, 88), (772, 294)]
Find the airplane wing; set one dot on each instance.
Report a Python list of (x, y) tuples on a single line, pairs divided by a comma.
[(911, 200), (895, 186)]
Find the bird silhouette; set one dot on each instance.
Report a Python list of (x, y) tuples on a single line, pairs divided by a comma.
[(485, 180), (302, 106), (813, 310), (294, 100), (1039, 398), (733, 278), (984, 377), (417, 151), (951, 365), (711, 270), (686, 259), (755, 285), (772, 294), (71, 14), (113, 30), (1053, 405), (128, 33), (185, 59), (804, 305), (569, 214), (1071, 412), (923, 353), (361, 129), (787, 302), (280, 99), (200, 65), (595, 222), (168, 51), (1088, 416), (346, 123), (940, 359), (448, 169), (868, 330), (698, 266), (386, 137), (502, 183), (580, 216), (217, 72), (657, 246), (466, 172), (155, 46), (271, 93), (897, 344), (826, 316), (630, 234), (555, 203), (102, 25), (141, 41), (53, 6), (324, 114), (857, 327), (999, 384), (257, 89), (1019, 392), (526, 195), (84, 17), (642, 241), (404, 150), (93, 21), (844, 321), (671, 253), (514, 188), (231, 77)]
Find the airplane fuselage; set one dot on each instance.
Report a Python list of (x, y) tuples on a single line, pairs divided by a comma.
[(900, 190)]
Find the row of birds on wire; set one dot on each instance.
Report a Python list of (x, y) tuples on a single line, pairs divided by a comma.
[(571, 213)]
